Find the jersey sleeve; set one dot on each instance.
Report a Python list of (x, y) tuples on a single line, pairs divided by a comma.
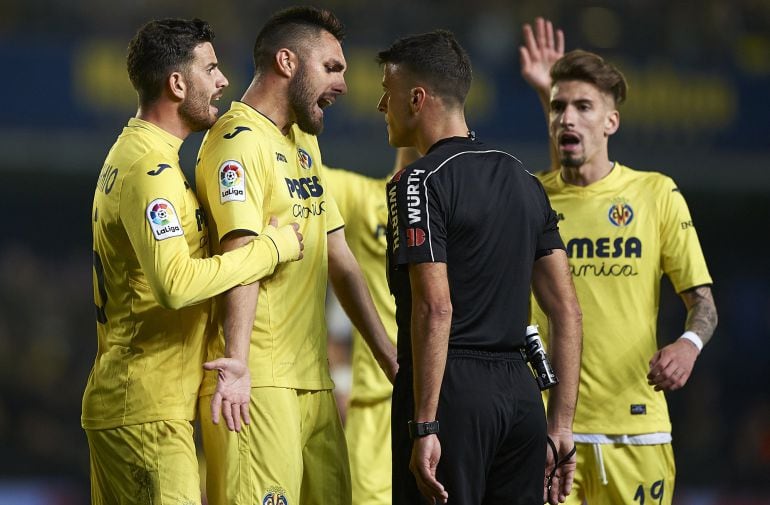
[(237, 180), (334, 219), (549, 238), (422, 219), (339, 183), (150, 209), (681, 255), (339, 203)]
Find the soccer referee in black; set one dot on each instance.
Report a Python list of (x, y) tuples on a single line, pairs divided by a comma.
[(470, 231)]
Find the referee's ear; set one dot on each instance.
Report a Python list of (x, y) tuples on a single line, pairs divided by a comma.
[(418, 96)]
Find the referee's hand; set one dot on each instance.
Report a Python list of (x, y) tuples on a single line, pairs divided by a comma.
[(426, 453), (561, 466)]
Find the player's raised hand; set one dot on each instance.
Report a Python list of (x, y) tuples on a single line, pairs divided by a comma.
[(233, 393), (542, 47)]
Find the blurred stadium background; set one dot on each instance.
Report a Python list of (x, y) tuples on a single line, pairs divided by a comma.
[(697, 110)]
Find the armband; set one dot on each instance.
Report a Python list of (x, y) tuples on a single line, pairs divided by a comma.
[(694, 338)]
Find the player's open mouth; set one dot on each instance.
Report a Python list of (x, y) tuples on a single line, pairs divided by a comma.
[(324, 102), (211, 104), (569, 140)]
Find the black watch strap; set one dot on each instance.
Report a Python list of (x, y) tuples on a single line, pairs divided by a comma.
[(418, 430)]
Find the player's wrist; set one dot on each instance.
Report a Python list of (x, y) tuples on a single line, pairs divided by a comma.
[(694, 339)]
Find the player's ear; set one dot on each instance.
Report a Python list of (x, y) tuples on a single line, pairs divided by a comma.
[(286, 62), (177, 85), (611, 122)]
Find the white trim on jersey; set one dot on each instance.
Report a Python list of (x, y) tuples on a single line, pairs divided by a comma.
[(425, 185), (643, 439)]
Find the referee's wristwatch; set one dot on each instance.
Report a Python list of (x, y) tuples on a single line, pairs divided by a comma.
[(419, 430)]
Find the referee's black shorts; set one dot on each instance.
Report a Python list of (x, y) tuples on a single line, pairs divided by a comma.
[(492, 432)]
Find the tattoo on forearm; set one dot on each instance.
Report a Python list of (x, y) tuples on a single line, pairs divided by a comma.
[(701, 313)]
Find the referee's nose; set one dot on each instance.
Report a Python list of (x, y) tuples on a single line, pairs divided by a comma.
[(382, 105)]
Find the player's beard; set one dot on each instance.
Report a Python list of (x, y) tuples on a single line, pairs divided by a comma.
[(573, 161), (195, 111), (302, 103)]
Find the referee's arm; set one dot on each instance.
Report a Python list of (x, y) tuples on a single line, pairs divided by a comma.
[(555, 293), (431, 322)]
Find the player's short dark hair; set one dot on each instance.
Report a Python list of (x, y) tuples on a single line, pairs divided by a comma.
[(437, 59), (579, 65), (161, 47), (293, 28)]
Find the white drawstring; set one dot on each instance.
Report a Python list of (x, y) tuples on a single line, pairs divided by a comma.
[(600, 463)]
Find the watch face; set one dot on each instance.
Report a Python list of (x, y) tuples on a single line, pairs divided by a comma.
[(417, 430)]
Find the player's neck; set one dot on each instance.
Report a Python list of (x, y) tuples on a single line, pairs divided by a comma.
[(270, 101), (165, 117), (587, 173)]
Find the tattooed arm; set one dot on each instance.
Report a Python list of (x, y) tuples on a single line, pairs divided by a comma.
[(672, 365), (701, 312)]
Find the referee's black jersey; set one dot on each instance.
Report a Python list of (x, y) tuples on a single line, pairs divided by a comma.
[(479, 211)]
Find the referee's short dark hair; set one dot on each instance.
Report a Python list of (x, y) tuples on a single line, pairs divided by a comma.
[(579, 65), (161, 47), (437, 59), (293, 28)]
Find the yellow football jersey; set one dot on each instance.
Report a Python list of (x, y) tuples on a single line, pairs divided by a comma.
[(362, 203), (622, 234), (149, 255), (247, 172)]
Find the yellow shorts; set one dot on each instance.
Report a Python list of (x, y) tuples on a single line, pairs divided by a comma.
[(292, 453), (144, 463), (612, 474), (368, 433)]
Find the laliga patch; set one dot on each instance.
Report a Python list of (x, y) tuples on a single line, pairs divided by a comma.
[(232, 182), (163, 219), (304, 158)]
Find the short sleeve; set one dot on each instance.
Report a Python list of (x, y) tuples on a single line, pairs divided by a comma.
[(549, 238), (422, 219), (237, 180), (681, 255), (334, 219)]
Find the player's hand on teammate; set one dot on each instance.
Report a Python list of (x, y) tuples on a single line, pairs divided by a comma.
[(426, 453), (671, 366), (287, 239), (542, 47), (556, 489), (233, 393)]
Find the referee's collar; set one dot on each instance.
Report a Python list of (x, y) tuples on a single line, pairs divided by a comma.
[(461, 140)]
